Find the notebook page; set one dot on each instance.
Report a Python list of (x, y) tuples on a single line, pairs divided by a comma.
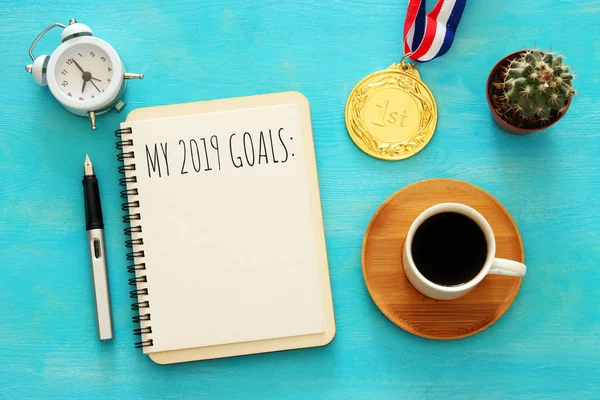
[(227, 227)]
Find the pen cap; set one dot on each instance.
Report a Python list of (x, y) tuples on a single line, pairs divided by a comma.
[(93, 209)]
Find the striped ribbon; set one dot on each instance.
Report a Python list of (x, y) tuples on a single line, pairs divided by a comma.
[(429, 36)]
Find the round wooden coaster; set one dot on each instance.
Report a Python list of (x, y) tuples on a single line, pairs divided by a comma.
[(399, 300)]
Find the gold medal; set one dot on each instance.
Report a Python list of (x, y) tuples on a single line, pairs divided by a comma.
[(391, 114)]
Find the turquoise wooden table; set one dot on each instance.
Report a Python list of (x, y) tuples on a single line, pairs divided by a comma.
[(546, 346)]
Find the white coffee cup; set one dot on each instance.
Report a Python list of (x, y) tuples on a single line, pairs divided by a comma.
[(491, 265)]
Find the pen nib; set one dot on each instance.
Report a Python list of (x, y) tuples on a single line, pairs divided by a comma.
[(87, 166)]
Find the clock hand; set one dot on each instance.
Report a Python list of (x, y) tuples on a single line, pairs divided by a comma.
[(78, 66), (92, 82), (95, 79), (83, 76)]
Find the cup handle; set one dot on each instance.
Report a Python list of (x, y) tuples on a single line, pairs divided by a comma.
[(501, 266)]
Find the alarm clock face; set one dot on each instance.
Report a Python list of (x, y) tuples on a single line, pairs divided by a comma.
[(85, 74)]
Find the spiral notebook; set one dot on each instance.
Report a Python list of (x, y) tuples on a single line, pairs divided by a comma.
[(226, 231)]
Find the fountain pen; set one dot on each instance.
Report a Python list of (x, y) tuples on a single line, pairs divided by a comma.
[(95, 234)]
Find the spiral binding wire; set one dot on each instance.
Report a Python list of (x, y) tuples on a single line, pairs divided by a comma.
[(131, 218)]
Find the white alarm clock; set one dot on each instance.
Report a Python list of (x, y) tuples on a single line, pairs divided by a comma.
[(85, 74)]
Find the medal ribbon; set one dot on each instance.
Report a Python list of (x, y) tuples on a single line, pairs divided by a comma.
[(429, 36)]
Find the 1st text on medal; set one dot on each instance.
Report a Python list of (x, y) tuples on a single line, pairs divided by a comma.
[(392, 116), (389, 114)]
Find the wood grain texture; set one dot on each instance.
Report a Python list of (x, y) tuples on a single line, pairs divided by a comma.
[(399, 300), (547, 345)]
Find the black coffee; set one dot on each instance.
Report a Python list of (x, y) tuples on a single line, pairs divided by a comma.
[(449, 249)]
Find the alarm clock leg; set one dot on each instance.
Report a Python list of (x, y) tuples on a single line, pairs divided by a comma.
[(92, 115), (128, 75)]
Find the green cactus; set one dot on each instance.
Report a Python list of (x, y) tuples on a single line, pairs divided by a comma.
[(537, 83)]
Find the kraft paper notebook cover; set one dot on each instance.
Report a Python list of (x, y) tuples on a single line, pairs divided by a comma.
[(227, 240)]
